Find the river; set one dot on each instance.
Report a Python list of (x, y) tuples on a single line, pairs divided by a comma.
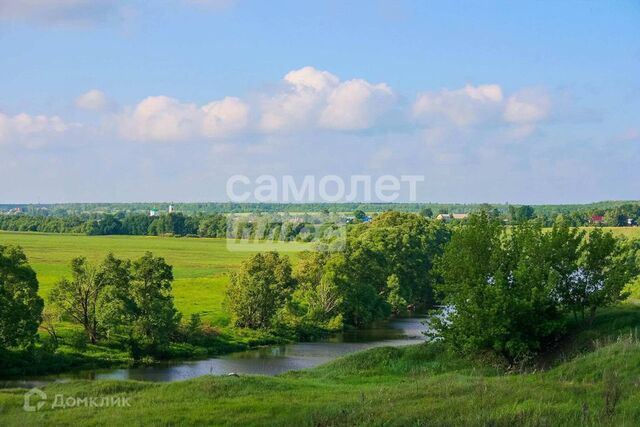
[(270, 360)]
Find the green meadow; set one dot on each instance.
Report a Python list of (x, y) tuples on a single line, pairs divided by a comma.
[(591, 379), (201, 266)]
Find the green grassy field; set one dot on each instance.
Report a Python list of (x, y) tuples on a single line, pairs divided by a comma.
[(629, 232), (415, 385), (200, 266)]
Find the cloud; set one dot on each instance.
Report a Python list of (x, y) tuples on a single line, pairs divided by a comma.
[(31, 131), (482, 105), (58, 11), (93, 100), (308, 100), (161, 118), (527, 106), (468, 106), (223, 118), (313, 99), (356, 104)]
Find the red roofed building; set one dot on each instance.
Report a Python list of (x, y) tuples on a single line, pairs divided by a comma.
[(597, 219)]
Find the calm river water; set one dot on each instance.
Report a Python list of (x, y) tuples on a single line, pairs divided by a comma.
[(271, 360)]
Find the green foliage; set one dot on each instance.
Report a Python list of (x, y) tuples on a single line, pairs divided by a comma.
[(138, 303), (393, 244), (121, 298), (20, 305), (606, 265), (394, 298), (315, 303), (77, 298), (359, 215), (259, 289), (507, 289)]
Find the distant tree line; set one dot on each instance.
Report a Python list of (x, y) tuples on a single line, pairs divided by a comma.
[(177, 224), (579, 214), (274, 224)]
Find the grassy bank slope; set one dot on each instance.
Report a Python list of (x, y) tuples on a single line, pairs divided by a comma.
[(417, 385)]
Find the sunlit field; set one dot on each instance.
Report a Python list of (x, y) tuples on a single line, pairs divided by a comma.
[(200, 266)]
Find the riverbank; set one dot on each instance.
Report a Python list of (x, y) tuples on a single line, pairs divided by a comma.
[(592, 381), (271, 356)]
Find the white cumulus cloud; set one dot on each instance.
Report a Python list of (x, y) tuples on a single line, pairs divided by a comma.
[(29, 130), (482, 105), (468, 106), (356, 104), (161, 118), (222, 118), (527, 106), (94, 100), (312, 99)]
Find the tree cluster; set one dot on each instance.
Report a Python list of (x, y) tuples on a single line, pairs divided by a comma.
[(509, 289), (384, 268), (125, 300)]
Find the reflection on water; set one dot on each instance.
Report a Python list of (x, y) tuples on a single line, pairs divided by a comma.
[(270, 360)]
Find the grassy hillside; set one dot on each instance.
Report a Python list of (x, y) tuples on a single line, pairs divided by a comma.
[(200, 266), (416, 385)]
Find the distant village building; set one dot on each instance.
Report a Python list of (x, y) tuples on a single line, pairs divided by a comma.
[(153, 212), (597, 219), (171, 210), (15, 211)]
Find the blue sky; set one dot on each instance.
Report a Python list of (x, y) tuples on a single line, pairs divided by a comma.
[(522, 102)]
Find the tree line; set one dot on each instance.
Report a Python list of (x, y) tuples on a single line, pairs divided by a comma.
[(505, 289), (272, 224)]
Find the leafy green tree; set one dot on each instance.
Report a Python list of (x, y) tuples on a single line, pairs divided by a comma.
[(137, 302), (115, 306), (498, 289), (316, 299), (20, 305), (521, 214), (564, 249), (394, 298), (155, 317), (359, 215), (607, 264), (404, 245), (77, 298), (261, 286), (426, 212)]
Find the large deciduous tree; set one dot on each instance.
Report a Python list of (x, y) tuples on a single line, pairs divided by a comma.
[(498, 285), (20, 305), (77, 298), (259, 289)]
